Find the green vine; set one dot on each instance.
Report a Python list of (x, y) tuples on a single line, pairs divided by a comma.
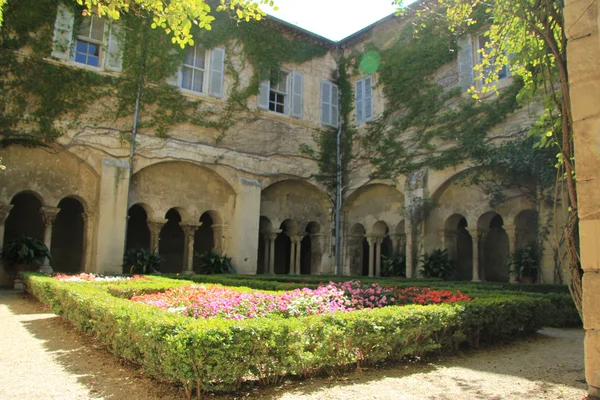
[(37, 95)]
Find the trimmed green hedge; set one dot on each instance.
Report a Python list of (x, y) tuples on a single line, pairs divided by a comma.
[(217, 354)]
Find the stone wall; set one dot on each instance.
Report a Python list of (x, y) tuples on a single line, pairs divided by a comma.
[(582, 18)]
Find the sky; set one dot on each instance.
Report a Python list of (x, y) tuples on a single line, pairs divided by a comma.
[(333, 19)]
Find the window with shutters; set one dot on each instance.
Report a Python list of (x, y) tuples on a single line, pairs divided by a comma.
[(202, 71), (329, 104), (193, 69), (363, 99), (282, 93), (481, 46), (278, 93), (88, 44)]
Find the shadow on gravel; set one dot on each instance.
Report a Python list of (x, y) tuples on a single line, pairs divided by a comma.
[(94, 367), (542, 358)]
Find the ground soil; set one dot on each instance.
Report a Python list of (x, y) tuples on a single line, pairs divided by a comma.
[(43, 357)]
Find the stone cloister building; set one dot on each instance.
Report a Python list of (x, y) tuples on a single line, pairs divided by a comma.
[(252, 195)]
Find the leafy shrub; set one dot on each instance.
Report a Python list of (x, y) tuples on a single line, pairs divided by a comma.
[(524, 262), (211, 263), (438, 265), (394, 265), (141, 261), (218, 354), (26, 250)]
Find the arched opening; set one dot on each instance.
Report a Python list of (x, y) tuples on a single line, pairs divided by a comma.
[(355, 250), (459, 244), (495, 252), (68, 237), (306, 256), (24, 218), (283, 248), (172, 243), (203, 238), (264, 243), (526, 229), (365, 258), (138, 234)]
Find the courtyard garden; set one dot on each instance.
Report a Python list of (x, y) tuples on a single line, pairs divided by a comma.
[(224, 332)]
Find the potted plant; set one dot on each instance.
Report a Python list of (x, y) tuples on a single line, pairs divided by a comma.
[(438, 264), (525, 264), (212, 262), (394, 265), (21, 253), (141, 261)]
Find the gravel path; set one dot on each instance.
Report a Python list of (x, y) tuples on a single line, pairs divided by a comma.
[(43, 357)]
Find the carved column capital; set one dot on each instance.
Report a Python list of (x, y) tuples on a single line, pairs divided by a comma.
[(4, 211), (189, 227), (156, 225), (49, 214), (219, 228), (273, 234)]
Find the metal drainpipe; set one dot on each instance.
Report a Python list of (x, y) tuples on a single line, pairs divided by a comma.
[(136, 115), (338, 195)]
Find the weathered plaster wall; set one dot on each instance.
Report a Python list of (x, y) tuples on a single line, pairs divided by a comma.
[(582, 18)]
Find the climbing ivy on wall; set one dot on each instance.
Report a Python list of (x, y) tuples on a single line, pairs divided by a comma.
[(38, 96)]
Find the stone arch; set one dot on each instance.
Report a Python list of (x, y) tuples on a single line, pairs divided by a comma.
[(264, 245), (172, 242), (296, 200), (311, 251), (51, 175), (459, 243), (494, 246), (380, 229), (372, 203), (68, 236), (192, 187), (138, 234), (24, 218), (526, 229), (283, 248), (357, 251)]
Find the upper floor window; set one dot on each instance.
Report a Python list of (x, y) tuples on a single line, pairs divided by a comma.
[(92, 41), (329, 104), (282, 93), (202, 71), (481, 48), (88, 44), (363, 99), (193, 69), (278, 95)]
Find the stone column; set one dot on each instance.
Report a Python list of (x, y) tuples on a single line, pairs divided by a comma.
[(272, 237), (220, 237), (395, 242), (512, 238), (371, 240), (48, 216), (155, 226), (189, 229), (266, 258), (298, 242), (476, 239), (378, 256), (86, 217), (292, 269), (4, 212), (409, 256)]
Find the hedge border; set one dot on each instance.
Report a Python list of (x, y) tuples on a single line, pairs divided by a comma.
[(218, 354)]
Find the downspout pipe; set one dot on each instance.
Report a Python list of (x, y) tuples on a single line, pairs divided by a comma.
[(338, 182)]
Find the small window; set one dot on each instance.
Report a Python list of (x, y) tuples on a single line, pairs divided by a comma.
[(278, 95), (481, 44), (88, 45), (363, 99), (329, 104), (194, 69)]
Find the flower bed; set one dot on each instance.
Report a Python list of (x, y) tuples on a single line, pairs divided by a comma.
[(220, 354), (200, 301), (83, 277)]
